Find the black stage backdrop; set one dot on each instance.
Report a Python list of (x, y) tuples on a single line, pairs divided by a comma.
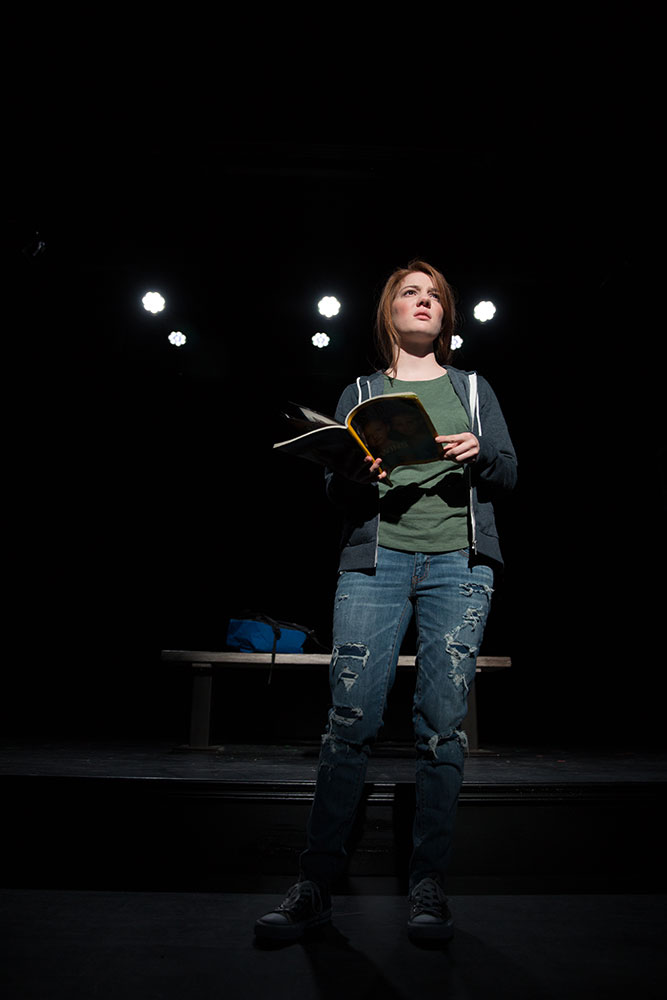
[(145, 505)]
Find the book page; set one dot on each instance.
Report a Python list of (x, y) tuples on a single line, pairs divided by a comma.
[(396, 427), (333, 446), (315, 417)]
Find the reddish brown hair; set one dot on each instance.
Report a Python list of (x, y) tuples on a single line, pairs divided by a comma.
[(387, 339)]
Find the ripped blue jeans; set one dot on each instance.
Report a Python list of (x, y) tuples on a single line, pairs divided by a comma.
[(451, 601)]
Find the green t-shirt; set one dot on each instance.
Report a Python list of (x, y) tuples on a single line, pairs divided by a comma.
[(426, 507)]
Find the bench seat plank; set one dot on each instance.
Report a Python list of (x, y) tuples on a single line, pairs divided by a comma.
[(297, 659)]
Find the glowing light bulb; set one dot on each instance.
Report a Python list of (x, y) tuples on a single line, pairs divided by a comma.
[(484, 311), (153, 302), (329, 306)]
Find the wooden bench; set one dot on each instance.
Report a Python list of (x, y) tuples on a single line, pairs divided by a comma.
[(202, 665)]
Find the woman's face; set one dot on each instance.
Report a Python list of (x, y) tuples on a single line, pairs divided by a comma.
[(416, 310)]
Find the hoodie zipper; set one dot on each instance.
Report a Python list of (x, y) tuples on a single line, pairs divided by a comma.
[(377, 530), (474, 412), (473, 524)]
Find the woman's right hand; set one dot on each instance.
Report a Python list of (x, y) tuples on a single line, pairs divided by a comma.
[(375, 470)]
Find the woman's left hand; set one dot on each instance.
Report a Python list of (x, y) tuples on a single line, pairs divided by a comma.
[(459, 447)]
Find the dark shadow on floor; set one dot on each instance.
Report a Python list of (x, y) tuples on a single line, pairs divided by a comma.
[(122, 946)]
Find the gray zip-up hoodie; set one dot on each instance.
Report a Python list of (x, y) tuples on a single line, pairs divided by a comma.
[(492, 473)]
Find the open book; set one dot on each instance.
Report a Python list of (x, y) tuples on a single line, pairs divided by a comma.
[(395, 428)]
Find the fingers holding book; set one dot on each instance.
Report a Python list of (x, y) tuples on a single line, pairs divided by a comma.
[(460, 447), (375, 470)]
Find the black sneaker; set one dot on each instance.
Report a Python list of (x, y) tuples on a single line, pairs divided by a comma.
[(304, 906), (430, 919)]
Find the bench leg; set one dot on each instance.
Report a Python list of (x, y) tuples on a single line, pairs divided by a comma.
[(470, 721), (200, 710)]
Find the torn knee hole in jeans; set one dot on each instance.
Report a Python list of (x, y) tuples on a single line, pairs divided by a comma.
[(459, 680), (348, 678), (460, 652), (438, 739), (335, 743), (353, 657), (473, 616), (346, 716), (470, 589)]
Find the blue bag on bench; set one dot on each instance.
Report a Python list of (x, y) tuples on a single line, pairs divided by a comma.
[(264, 635)]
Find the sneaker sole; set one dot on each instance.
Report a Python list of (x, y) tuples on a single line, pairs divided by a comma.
[(289, 932), (431, 932)]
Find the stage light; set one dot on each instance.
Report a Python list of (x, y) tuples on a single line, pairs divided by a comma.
[(329, 306), (177, 338), (153, 302), (456, 342), (484, 311), (320, 340)]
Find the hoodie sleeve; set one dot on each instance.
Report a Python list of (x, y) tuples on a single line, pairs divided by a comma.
[(496, 463)]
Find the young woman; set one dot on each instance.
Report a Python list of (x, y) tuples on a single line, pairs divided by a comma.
[(426, 545)]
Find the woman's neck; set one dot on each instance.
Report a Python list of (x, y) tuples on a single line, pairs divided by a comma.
[(412, 368)]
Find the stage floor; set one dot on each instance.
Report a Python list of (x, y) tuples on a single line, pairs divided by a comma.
[(107, 945), (64, 945), (508, 766)]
